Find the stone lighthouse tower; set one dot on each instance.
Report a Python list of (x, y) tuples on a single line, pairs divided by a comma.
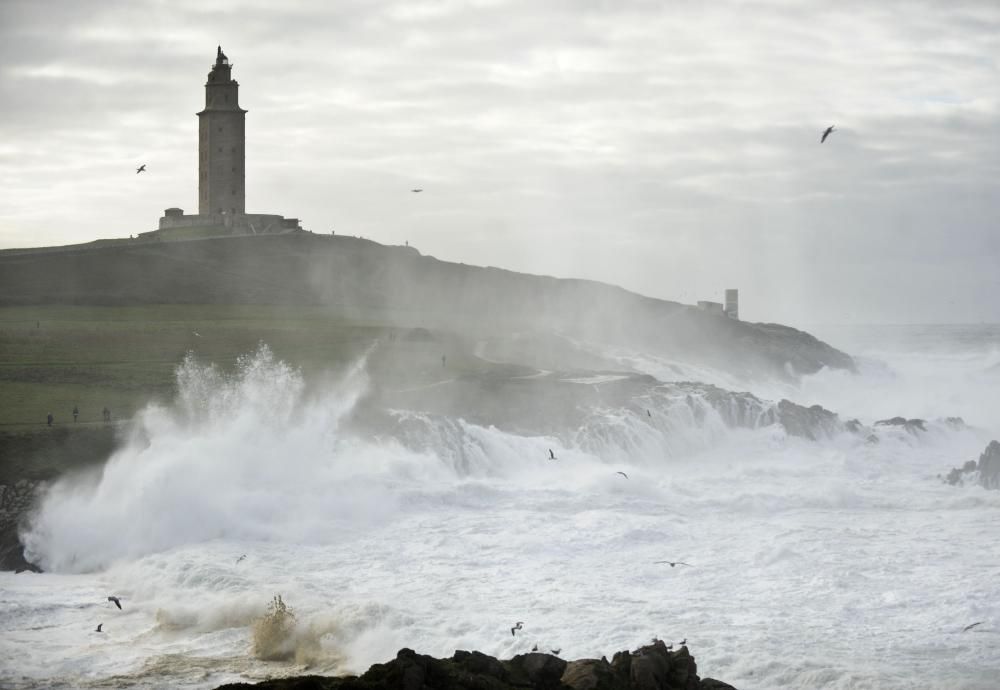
[(221, 171), (221, 144)]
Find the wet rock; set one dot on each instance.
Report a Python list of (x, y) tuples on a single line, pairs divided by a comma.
[(589, 674), (989, 466), (543, 671), (713, 684), (812, 423), (653, 667), (15, 502), (621, 663), (683, 670), (911, 425), (479, 663), (985, 472)]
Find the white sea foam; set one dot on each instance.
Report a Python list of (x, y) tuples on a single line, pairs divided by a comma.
[(838, 564)]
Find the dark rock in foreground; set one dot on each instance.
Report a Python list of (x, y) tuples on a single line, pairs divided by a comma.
[(653, 667), (986, 472)]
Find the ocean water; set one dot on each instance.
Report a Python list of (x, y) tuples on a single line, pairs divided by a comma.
[(837, 563)]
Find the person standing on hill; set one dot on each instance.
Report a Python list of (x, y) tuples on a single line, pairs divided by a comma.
[(106, 414), (76, 412), (49, 419)]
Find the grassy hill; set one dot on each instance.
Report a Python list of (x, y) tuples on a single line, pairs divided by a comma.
[(55, 358), (359, 280), (105, 324)]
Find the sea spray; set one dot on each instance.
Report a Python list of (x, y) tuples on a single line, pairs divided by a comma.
[(274, 631), (832, 553), (242, 455), (258, 455)]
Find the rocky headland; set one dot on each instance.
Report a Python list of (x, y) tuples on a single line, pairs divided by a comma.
[(652, 667), (360, 279)]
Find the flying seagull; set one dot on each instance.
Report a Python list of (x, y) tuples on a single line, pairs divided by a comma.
[(535, 648), (674, 564), (117, 601), (622, 474), (970, 627), (552, 456), (683, 642), (556, 651), (141, 168), (826, 134), (240, 559), (99, 627), (196, 334), (516, 627), (416, 191)]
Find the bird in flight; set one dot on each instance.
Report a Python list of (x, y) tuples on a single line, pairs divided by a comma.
[(552, 456), (517, 626), (240, 559), (683, 642), (99, 625), (674, 564), (970, 627), (117, 601), (416, 191), (622, 474), (556, 651), (826, 134), (141, 168)]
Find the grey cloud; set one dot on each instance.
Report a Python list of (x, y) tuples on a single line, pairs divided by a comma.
[(672, 148)]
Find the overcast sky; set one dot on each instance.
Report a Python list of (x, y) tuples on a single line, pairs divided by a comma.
[(671, 147)]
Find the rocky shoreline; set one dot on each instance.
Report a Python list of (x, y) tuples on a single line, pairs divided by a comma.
[(653, 667), (15, 501), (986, 472)]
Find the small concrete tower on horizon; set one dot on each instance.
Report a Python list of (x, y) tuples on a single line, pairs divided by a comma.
[(221, 144), (732, 307)]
